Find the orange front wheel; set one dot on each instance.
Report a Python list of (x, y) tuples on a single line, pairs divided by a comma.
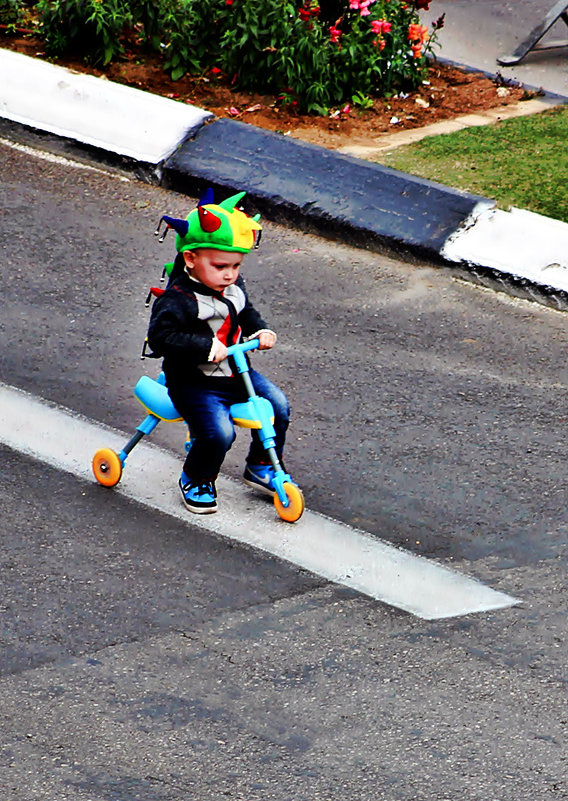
[(296, 503), (107, 467)]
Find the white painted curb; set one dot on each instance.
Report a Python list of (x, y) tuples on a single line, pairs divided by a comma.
[(516, 242), (92, 110)]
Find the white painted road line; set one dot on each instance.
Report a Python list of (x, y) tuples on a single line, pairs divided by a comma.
[(53, 158), (323, 546)]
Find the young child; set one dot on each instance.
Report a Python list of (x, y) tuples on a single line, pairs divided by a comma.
[(203, 311)]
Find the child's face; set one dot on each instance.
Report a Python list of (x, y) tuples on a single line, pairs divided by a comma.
[(217, 269)]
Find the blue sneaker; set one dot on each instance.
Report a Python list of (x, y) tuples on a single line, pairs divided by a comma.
[(199, 498), (260, 476)]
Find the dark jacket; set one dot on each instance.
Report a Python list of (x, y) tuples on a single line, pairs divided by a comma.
[(187, 317)]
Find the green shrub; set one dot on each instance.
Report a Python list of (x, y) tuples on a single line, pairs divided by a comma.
[(10, 12), (254, 37), (192, 33), (89, 28), (295, 48), (375, 47)]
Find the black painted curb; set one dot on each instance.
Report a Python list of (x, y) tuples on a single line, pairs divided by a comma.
[(320, 190)]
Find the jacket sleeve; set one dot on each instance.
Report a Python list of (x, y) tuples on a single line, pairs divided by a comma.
[(249, 318), (174, 330)]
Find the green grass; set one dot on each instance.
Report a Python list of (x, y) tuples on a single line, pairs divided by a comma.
[(519, 162)]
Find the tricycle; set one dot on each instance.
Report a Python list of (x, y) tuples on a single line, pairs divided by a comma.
[(255, 413)]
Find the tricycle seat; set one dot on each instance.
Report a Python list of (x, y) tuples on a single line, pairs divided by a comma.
[(154, 397)]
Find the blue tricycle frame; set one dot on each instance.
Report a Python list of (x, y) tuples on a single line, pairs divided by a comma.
[(255, 413)]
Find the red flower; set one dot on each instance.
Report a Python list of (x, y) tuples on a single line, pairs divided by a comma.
[(423, 5), (308, 10), (334, 34)]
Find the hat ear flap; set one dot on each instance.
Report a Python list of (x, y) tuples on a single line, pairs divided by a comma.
[(208, 221)]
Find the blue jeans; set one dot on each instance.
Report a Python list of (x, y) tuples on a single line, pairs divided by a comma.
[(206, 412)]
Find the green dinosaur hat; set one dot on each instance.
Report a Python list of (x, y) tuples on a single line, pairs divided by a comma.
[(221, 227)]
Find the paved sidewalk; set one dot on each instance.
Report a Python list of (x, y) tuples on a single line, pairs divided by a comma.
[(322, 190)]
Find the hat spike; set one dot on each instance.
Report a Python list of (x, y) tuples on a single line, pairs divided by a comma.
[(229, 203), (207, 197)]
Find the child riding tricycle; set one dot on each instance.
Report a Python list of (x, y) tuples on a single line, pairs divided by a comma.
[(202, 326)]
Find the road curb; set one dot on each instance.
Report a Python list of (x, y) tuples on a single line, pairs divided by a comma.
[(311, 187), (96, 112), (320, 190), (368, 205)]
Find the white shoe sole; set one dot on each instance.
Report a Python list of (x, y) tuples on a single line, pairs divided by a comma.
[(259, 487), (199, 510)]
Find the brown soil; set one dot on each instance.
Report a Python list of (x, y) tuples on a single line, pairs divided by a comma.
[(448, 93)]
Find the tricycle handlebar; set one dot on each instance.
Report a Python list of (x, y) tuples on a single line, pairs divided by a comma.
[(241, 347), (238, 353)]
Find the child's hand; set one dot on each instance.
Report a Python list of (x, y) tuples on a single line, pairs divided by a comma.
[(218, 351), (266, 340)]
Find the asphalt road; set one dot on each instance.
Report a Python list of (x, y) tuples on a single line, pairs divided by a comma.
[(144, 659)]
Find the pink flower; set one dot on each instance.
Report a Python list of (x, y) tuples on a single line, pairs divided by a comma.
[(364, 7), (380, 26)]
